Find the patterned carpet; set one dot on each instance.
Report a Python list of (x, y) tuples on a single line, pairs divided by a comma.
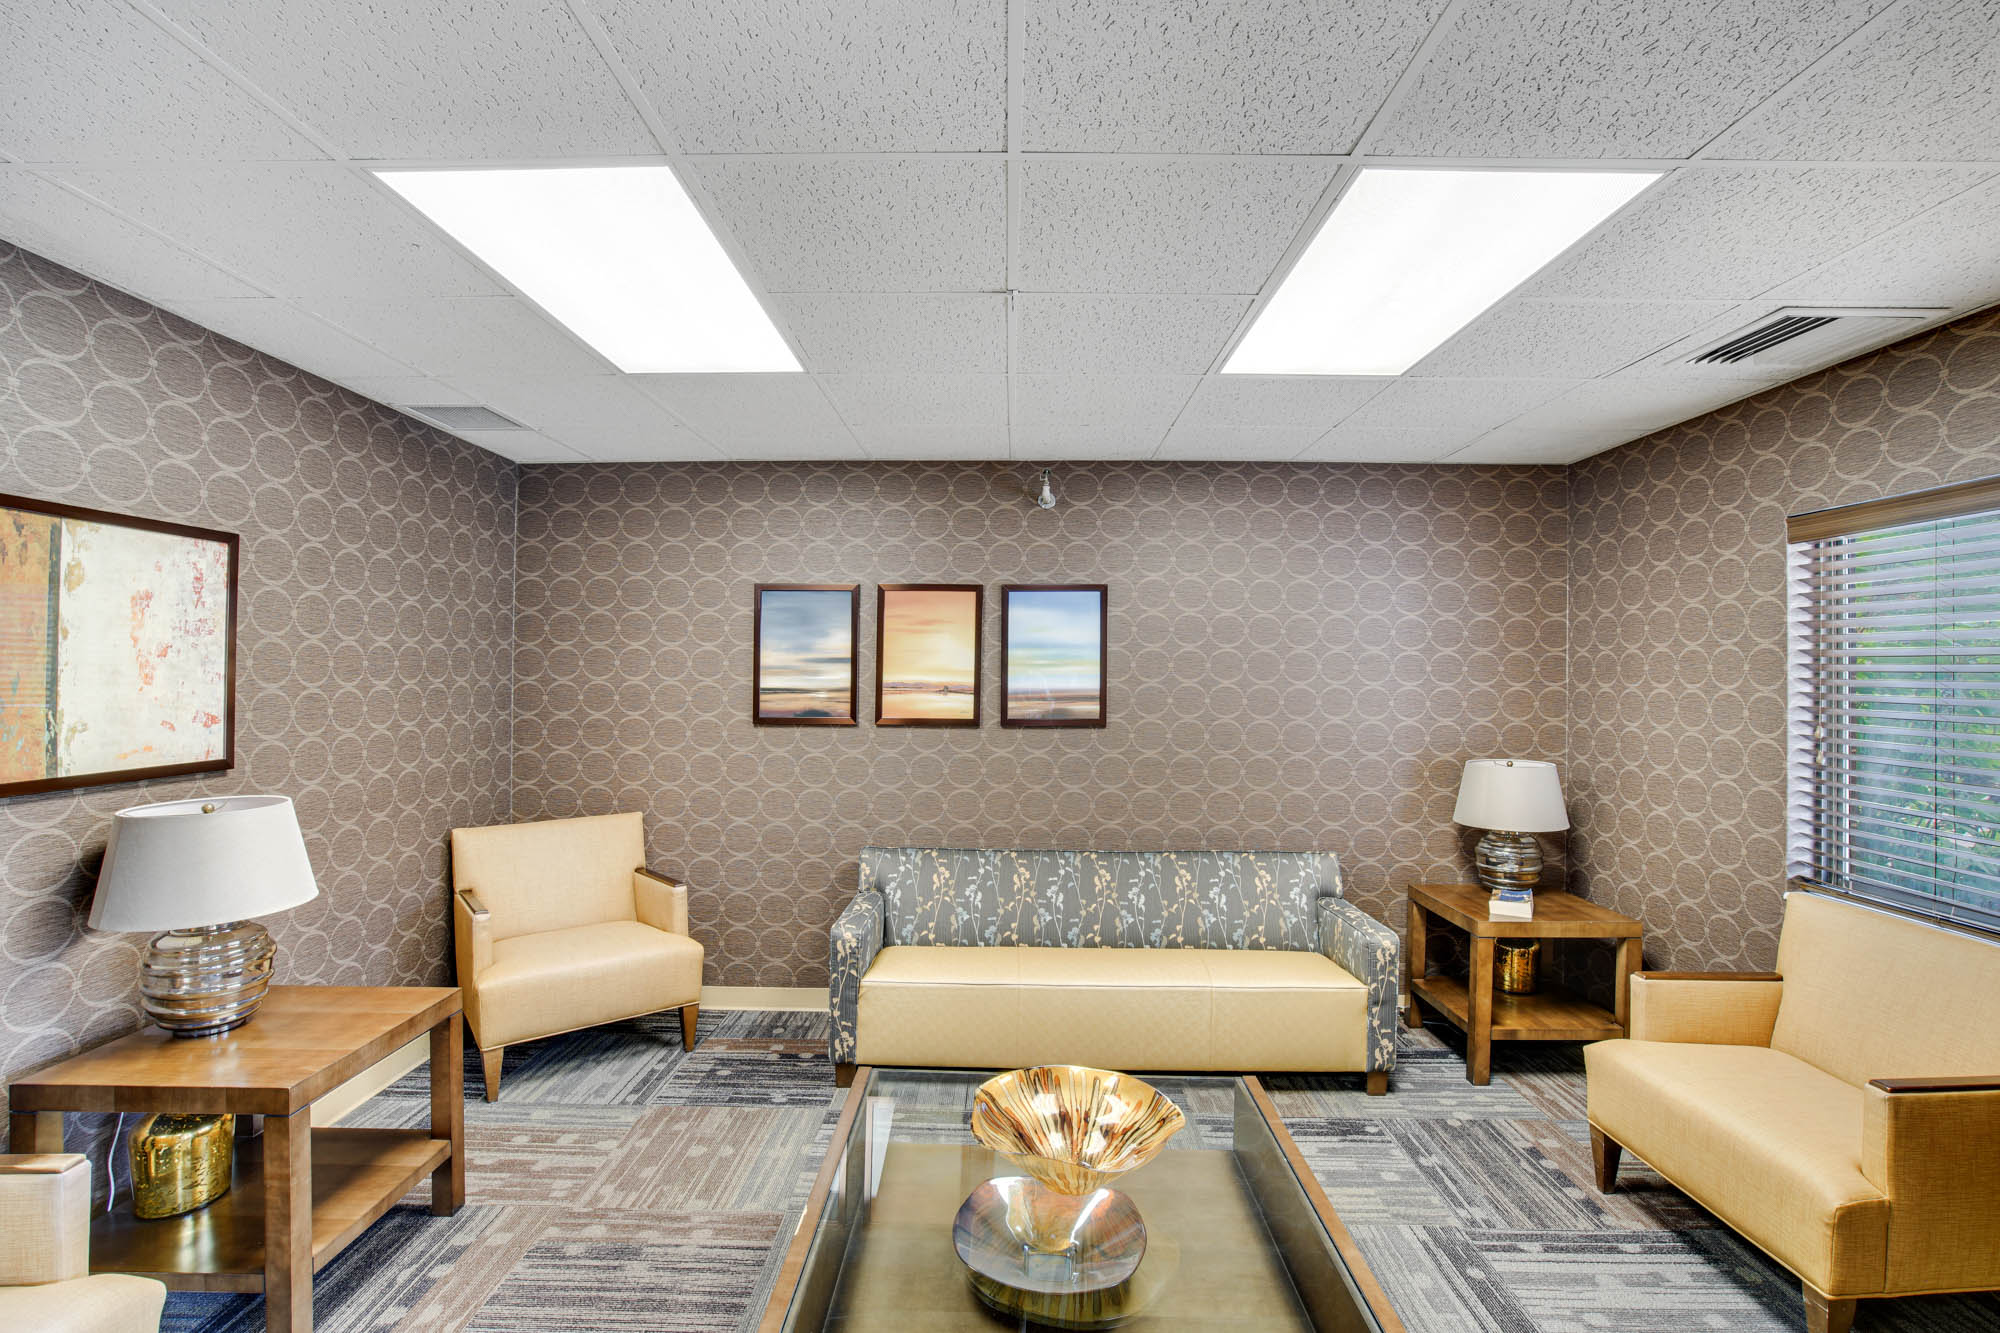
[(623, 1184)]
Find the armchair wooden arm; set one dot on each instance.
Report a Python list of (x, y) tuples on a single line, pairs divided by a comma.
[(660, 900), (472, 934), (1713, 1008)]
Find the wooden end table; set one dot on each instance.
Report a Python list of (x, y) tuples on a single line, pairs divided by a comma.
[(298, 1196), (1552, 1013)]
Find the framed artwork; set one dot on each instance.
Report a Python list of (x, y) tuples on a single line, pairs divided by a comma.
[(1052, 638), (927, 654), (117, 648), (802, 666)]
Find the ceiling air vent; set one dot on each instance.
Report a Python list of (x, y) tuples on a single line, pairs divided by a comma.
[(1805, 338), (458, 416)]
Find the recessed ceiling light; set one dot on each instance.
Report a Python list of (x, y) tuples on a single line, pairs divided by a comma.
[(620, 255), (1409, 257)]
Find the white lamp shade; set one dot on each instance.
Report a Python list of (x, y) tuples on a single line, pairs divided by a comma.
[(172, 867), (1513, 795)]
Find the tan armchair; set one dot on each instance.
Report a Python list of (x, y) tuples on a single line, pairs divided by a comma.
[(45, 1278), (560, 926), (1842, 1113)]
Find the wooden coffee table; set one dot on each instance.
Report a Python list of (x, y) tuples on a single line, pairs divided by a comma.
[(1472, 1006), (299, 1196)]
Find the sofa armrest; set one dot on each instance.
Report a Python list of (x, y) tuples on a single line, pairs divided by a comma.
[(1371, 952), (472, 934), (661, 900), (1707, 1008), (852, 944), (1933, 1146), (44, 1218)]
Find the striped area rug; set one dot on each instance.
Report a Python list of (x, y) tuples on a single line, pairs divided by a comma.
[(621, 1184)]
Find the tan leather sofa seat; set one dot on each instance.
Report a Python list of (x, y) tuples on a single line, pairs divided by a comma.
[(1002, 1007), (588, 974)]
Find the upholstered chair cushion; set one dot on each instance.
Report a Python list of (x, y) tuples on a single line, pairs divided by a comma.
[(558, 980), (551, 874)]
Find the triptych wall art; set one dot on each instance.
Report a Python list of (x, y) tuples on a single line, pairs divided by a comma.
[(804, 662)]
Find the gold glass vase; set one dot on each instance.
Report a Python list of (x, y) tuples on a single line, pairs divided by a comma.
[(180, 1162), (1515, 962)]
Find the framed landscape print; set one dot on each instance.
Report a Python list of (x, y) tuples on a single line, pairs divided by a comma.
[(802, 665), (117, 648), (927, 654), (1052, 671)]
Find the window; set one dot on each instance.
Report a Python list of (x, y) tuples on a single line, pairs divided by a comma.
[(1895, 701)]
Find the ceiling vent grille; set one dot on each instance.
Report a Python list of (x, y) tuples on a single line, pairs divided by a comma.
[(459, 416), (1802, 338)]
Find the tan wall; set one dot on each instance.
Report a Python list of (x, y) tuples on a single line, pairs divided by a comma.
[(1677, 676), (373, 637), (1301, 657)]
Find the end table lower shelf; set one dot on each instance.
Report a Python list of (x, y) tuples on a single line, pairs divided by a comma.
[(1551, 1014)]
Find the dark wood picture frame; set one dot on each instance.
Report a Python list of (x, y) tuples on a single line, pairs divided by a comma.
[(978, 591), (853, 591), (1103, 592), (232, 543)]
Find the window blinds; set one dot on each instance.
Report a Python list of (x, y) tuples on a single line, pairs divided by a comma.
[(1895, 702)]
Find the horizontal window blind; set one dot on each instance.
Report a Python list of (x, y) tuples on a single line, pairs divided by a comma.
[(1895, 705)]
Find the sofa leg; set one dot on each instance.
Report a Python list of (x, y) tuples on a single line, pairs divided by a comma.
[(843, 1075), (690, 1017), (489, 1061), (1604, 1154), (1378, 1083), (1824, 1314)]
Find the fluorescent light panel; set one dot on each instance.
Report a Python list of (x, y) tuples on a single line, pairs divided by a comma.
[(620, 255), (1409, 257)]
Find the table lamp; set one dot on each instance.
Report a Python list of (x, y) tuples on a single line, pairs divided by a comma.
[(197, 871), (1512, 799)]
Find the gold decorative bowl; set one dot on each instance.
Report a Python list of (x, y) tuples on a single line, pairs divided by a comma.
[(1073, 1128)]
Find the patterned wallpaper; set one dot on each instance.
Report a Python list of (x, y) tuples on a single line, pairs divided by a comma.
[(373, 641), (1300, 657), (1676, 777)]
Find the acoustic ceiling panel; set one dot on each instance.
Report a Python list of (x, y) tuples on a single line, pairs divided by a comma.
[(1144, 334), (918, 400), (892, 332), (755, 416), (1564, 339), (490, 335), (1268, 402)]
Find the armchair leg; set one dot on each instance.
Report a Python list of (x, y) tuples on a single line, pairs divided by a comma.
[(690, 1016), (1824, 1314), (843, 1076), (1604, 1155), (489, 1062), (1378, 1083)]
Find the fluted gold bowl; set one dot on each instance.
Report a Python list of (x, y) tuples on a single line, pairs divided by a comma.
[(1071, 1127)]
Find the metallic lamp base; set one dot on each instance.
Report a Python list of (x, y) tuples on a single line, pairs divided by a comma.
[(205, 981), (1508, 861)]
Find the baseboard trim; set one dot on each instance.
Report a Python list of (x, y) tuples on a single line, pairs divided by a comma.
[(804, 998), (329, 1109)]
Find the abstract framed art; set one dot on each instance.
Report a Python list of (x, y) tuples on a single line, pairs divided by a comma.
[(117, 648), (1052, 654), (927, 654), (802, 661)]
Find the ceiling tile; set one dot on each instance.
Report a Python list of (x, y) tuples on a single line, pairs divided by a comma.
[(1573, 339), (1161, 226), (1266, 402), (502, 79), (1240, 443), (1388, 444), (755, 416), (282, 330), (1254, 76), (1605, 78), (304, 231), (1132, 334), (763, 76), (1140, 403), (1946, 257), (1731, 319), (1632, 403), (934, 443), (1412, 403), (865, 224), (604, 417), (405, 390), (1052, 444), (523, 446), (96, 81), (1729, 233), (1922, 85), (918, 400), (920, 332), (480, 335), (40, 215), (1520, 444)]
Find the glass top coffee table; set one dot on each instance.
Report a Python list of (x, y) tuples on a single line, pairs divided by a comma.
[(1239, 1234)]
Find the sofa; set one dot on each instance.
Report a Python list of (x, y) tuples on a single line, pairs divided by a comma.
[(985, 958), (1842, 1113), (45, 1278)]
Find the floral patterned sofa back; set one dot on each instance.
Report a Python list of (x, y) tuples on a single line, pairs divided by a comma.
[(1101, 899)]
